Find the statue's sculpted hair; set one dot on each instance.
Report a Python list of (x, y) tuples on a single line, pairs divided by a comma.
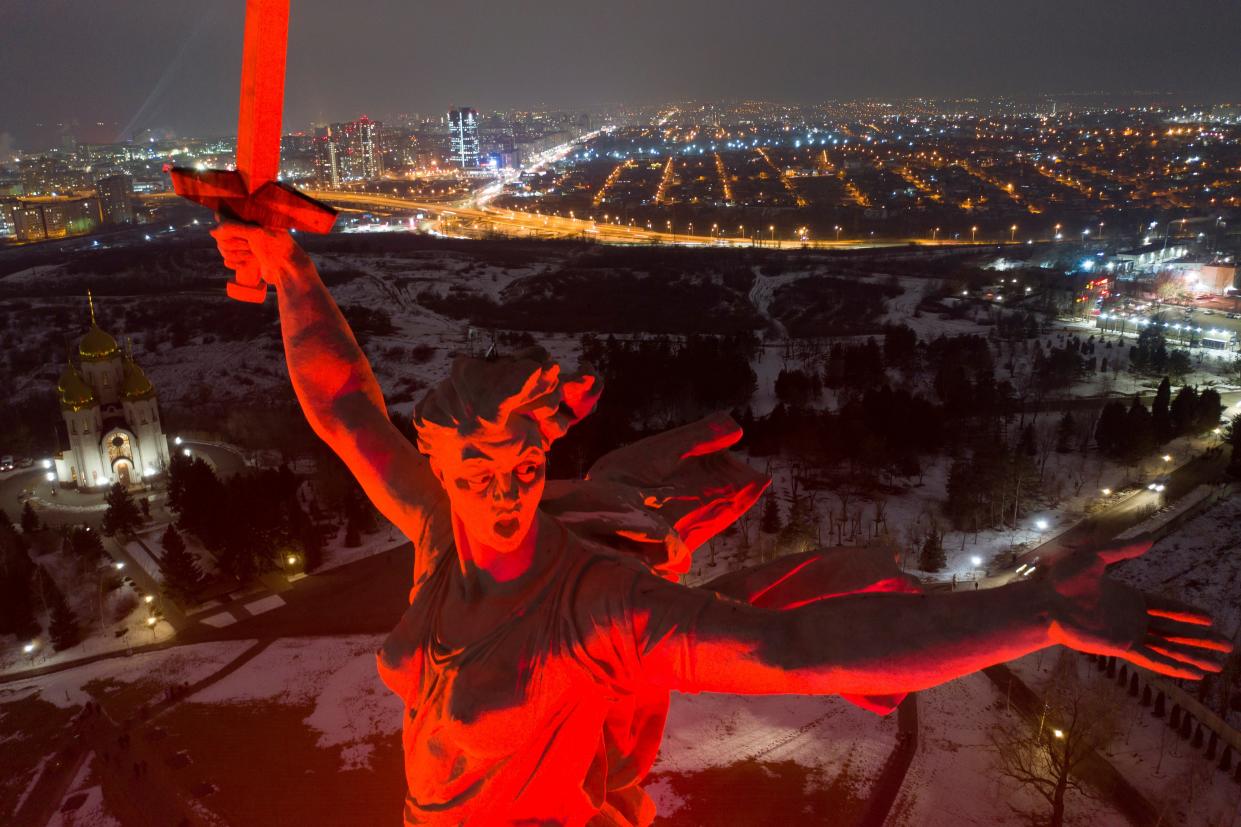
[(501, 398)]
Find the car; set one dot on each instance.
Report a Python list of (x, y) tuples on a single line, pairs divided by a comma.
[(1233, 316), (6, 462), (1208, 312), (25, 462)]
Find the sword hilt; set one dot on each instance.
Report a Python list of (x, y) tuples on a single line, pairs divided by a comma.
[(273, 205), (247, 284)]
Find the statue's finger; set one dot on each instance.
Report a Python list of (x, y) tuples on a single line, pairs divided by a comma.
[(1157, 606), (1125, 552), (1164, 665), (1184, 654), (1203, 637)]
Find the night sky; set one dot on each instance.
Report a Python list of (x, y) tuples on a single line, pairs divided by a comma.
[(174, 64)]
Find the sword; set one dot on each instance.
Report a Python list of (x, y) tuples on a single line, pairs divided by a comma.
[(251, 192)]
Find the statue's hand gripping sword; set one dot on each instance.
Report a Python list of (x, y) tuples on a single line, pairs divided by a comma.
[(251, 193)]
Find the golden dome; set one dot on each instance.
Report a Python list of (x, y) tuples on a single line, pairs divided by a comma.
[(97, 345), (134, 384), (75, 394)]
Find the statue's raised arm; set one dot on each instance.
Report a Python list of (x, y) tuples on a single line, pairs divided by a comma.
[(334, 383)]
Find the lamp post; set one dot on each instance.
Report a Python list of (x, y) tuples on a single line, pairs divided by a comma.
[(973, 234), (1012, 233), (838, 229)]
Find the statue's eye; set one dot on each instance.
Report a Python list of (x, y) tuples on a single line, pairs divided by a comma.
[(527, 471), (480, 481)]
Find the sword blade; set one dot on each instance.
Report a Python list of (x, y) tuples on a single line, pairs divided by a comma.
[(262, 91)]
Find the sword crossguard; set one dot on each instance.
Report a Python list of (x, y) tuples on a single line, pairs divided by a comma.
[(273, 205)]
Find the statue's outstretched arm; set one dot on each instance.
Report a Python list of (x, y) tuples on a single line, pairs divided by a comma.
[(894, 642), (334, 383)]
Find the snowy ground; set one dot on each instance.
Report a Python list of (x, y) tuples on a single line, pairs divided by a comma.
[(956, 777), (1175, 777)]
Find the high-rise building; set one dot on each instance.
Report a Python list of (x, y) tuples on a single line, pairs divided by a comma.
[(463, 128), (116, 199), (368, 147), (327, 166), (350, 151)]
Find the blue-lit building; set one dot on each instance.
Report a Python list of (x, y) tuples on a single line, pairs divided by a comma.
[(463, 129)]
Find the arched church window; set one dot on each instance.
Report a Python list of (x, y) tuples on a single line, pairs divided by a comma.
[(118, 447)]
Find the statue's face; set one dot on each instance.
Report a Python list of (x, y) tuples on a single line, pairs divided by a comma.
[(495, 488)]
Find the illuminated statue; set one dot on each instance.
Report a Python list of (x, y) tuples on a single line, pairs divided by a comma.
[(545, 630)]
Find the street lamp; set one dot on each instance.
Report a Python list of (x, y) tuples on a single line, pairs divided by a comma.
[(772, 230), (1012, 233), (973, 234), (1059, 733), (1107, 492), (1167, 457), (838, 228)]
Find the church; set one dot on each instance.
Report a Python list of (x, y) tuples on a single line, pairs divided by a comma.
[(111, 417)]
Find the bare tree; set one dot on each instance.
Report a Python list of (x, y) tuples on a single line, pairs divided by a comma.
[(1046, 754)]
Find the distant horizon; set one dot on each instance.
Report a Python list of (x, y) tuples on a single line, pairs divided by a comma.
[(46, 135), (175, 64)]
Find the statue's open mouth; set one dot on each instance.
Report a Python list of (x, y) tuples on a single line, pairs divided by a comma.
[(507, 527)]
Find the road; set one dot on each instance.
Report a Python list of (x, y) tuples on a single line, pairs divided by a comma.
[(531, 224)]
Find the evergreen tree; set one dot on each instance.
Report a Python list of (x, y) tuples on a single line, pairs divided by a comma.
[(1161, 417), (932, 557), (30, 520), (122, 515), (770, 523), (63, 623), (183, 579), (1109, 432), (86, 544), (1179, 364), (1210, 409), (1139, 432), (1064, 434), (1184, 411), (798, 534), (16, 572)]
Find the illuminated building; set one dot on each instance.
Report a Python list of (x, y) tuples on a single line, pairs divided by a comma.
[(463, 128), (350, 151), (116, 199), (42, 219), (327, 167), (111, 416)]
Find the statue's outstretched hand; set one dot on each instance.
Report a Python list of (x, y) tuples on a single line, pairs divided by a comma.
[(250, 248), (1096, 614)]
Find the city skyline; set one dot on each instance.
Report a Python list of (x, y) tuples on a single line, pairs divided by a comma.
[(173, 66)]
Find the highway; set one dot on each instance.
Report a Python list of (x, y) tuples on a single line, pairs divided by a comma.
[(482, 218)]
